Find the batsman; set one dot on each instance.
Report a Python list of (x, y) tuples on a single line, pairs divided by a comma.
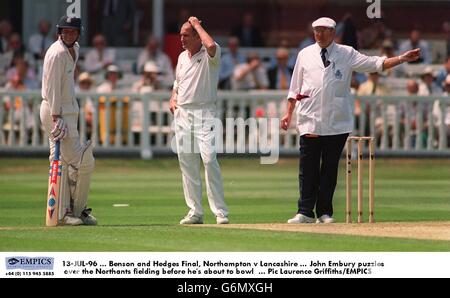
[(59, 116)]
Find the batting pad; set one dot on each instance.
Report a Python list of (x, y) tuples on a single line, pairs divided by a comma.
[(81, 178), (64, 192)]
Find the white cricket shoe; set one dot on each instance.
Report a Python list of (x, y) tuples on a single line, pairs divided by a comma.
[(222, 220), (191, 220), (326, 219), (69, 220), (300, 218)]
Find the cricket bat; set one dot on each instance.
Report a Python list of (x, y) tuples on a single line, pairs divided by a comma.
[(54, 181)]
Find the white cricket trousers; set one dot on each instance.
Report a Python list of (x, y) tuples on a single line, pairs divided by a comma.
[(194, 131)]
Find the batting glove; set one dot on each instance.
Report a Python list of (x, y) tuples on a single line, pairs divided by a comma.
[(60, 130)]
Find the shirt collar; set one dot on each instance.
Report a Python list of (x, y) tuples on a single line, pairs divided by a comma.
[(329, 48), (76, 46), (202, 49)]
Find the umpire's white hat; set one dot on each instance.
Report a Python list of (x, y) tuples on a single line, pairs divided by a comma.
[(324, 22)]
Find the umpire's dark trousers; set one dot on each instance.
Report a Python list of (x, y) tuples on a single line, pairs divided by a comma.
[(319, 162)]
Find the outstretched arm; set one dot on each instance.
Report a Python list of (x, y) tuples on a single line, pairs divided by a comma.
[(207, 40), (405, 57)]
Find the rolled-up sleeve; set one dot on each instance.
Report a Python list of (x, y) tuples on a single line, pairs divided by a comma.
[(216, 59), (297, 78), (363, 63)]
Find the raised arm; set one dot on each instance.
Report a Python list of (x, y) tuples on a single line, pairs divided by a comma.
[(207, 40)]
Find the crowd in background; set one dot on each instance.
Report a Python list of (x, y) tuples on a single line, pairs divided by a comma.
[(99, 69)]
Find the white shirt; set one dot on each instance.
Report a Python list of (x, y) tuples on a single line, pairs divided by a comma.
[(197, 77), (328, 110), (229, 63), (166, 75), (256, 79), (37, 40), (105, 87), (58, 82), (437, 112), (93, 63)]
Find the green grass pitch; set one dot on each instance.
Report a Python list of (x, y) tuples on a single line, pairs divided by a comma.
[(406, 190)]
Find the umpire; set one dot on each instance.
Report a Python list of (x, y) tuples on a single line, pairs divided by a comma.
[(321, 80)]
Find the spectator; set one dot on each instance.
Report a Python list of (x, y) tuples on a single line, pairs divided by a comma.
[(443, 73), (147, 84), (16, 49), (229, 62), (438, 115), (280, 75), (279, 78), (428, 86), (373, 86), (21, 109), (85, 84), (117, 21), (249, 35), (308, 40), (100, 57), (354, 83), (40, 42), (5, 55), (149, 81), (153, 53), (6, 30), (25, 73), (250, 75), (414, 42), (412, 87), (387, 49), (409, 122), (175, 27), (372, 36), (346, 32), (113, 75), (446, 29)]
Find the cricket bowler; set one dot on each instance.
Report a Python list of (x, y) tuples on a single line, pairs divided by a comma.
[(193, 104)]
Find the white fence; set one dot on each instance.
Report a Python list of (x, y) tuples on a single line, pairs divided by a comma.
[(404, 126)]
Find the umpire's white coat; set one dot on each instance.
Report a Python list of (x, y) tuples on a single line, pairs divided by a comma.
[(328, 110)]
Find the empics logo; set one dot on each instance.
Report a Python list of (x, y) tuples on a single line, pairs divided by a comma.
[(374, 9), (27, 263), (13, 261), (74, 9)]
